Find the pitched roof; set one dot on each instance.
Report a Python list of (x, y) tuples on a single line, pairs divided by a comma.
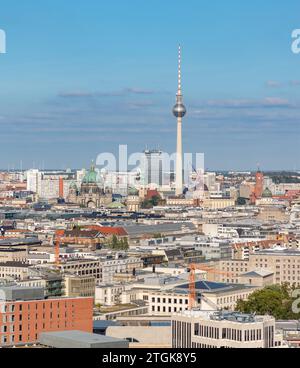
[(78, 233), (258, 273), (106, 230)]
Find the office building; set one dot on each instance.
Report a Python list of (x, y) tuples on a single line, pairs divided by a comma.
[(196, 329), (25, 313), (152, 168)]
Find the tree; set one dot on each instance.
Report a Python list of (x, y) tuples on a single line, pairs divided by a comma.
[(114, 242), (146, 204), (155, 200), (273, 300), (125, 244), (150, 203), (117, 244)]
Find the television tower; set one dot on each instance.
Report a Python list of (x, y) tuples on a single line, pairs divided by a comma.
[(179, 112)]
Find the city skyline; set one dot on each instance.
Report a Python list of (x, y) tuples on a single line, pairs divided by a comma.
[(95, 76), (149, 177)]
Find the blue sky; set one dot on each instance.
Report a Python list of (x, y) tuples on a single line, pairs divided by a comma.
[(80, 77)]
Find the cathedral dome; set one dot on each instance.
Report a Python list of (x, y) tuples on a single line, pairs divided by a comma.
[(91, 176), (73, 186)]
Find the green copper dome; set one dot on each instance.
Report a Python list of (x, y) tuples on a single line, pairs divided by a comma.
[(91, 176), (73, 186), (267, 193), (115, 205), (133, 191)]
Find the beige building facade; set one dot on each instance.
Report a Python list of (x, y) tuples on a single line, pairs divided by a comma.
[(196, 329), (284, 264), (79, 286)]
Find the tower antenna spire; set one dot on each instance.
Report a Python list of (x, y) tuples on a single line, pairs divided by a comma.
[(179, 70)]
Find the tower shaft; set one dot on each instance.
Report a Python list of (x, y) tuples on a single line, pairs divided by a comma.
[(179, 166)]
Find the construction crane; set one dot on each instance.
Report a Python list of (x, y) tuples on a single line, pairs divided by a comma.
[(192, 280)]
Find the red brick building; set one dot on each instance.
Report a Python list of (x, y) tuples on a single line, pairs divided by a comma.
[(21, 321)]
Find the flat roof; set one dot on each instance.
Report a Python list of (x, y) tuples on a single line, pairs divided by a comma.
[(14, 264), (279, 252), (19, 242), (218, 316), (140, 229), (104, 324), (79, 339)]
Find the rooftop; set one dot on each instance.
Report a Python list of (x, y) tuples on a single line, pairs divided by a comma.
[(79, 339), (14, 264), (280, 252), (213, 287), (106, 230), (19, 293), (11, 242), (258, 273), (233, 317)]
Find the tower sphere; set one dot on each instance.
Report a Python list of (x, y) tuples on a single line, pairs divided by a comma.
[(179, 110)]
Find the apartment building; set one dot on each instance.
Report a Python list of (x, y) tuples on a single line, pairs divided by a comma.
[(82, 267), (25, 313), (79, 286), (209, 248), (103, 269), (242, 250), (218, 203), (13, 255), (13, 270), (47, 184), (283, 263), (51, 283), (220, 231), (196, 329), (109, 294), (126, 265), (214, 249), (273, 214)]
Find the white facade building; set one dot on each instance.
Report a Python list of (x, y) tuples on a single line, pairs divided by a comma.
[(196, 329)]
